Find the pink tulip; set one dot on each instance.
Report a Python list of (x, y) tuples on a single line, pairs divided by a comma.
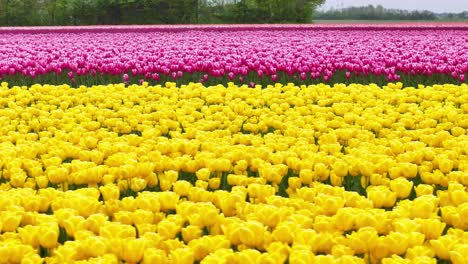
[(155, 76), (126, 78), (303, 76), (274, 77)]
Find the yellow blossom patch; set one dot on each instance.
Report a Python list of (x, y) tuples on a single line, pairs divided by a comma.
[(166, 174)]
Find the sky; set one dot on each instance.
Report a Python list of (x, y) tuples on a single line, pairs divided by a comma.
[(437, 6)]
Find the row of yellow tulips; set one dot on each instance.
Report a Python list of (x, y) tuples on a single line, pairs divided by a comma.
[(342, 174), (79, 225)]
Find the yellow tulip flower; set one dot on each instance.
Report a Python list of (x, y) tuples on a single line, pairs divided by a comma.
[(117, 230), (10, 220), (401, 186), (424, 206), (301, 256), (168, 229), (381, 196), (133, 249), (419, 251), (182, 255), (154, 255), (424, 189), (443, 245)]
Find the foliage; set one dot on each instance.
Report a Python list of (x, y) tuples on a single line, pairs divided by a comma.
[(89, 12), (378, 12)]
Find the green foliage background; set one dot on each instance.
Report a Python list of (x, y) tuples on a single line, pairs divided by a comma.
[(91, 12), (378, 12)]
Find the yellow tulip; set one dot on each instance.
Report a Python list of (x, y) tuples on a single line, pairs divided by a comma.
[(431, 228), (214, 183), (57, 174), (363, 241), (458, 194), (341, 250), (49, 236), (181, 187), (191, 232), (301, 257), (419, 251), (154, 255), (203, 174), (29, 235), (31, 258), (168, 200), (284, 232), (321, 171), (137, 184), (424, 189), (117, 230), (95, 221), (10, 220), (95, 246), (294, 183), (381, 196), (42, 181), (340, 168), (124, 217), (445, 164), (134, 249), (306, 176), (148, 201), (443, 245), (168, 229), (248, 256), (182, 255), (402, 187), (424, 206), (458, 254), (141, 216)]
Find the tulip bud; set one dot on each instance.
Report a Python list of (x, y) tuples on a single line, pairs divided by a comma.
[(303, 76), (274, 77), (126, 78)]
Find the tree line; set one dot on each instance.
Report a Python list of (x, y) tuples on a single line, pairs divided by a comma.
[(115, 12), (378, 12)]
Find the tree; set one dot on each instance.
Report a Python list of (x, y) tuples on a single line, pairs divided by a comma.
[(87, 12)]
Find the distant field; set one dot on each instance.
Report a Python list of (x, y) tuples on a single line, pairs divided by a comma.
[(380, 21)]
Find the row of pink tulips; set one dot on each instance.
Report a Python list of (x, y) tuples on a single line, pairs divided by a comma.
[(304, 51)]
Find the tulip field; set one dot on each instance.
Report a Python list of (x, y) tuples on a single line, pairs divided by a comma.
[(234, 144), (303, 55)]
